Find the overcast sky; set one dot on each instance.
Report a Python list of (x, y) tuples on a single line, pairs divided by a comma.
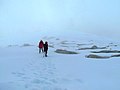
[(25, 19)]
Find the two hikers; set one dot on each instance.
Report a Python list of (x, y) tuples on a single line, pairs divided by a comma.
[(43, 47)]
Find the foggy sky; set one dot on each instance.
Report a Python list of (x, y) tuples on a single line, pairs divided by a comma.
[(24, 20)]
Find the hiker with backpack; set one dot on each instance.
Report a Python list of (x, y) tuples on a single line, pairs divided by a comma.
[(41, 46), (46, 48)]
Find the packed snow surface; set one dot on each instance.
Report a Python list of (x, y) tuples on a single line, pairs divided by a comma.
[(23, 68)]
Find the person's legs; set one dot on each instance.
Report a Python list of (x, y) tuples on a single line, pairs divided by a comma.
[(39, 50), (42, 50), (45, 53)]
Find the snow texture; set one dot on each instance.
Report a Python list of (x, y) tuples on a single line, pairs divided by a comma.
[(23, 68)]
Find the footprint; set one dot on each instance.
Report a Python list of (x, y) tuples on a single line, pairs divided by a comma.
[(53, 88), (79, 80), (18, 74), (50, 72), (14, 73), (25, 77), (54, 81), (37, 81), (35, 73)]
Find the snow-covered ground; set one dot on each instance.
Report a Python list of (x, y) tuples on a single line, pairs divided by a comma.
[(22, 68)]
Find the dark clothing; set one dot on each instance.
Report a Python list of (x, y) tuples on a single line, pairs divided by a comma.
[(46, 48)]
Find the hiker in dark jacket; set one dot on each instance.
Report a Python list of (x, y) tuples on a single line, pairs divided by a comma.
[(45, 48), (41, 45)]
